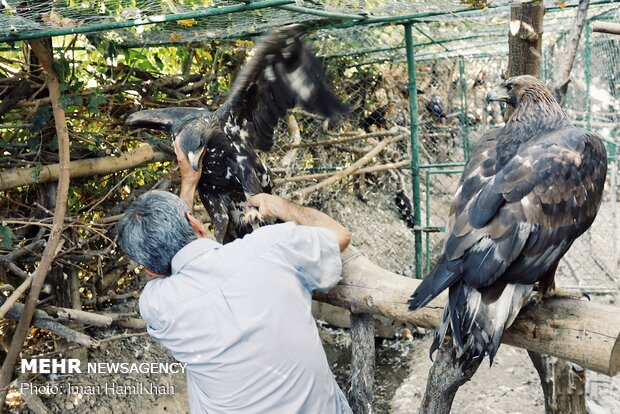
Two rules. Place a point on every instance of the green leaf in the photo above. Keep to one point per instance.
(41, 118)
(158, 61)
(36, 172)
(7, 236)
(33, 144)
(61, 66)
(70, 100)
(93, 103)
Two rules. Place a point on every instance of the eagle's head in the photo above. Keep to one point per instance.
(196, 135)
(521, 89)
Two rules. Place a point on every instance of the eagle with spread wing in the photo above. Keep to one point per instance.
(281, 74)
(527, 192)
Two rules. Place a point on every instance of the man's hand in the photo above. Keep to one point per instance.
(189, 176)
(271, 206)
(267, 204)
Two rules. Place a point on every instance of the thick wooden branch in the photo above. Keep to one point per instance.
(371, 169)
(44, 55)
(559, 89)
(82, 168)
(582, 332)
(605, 27)
(444, 380)
(44, 321)
(347, 171)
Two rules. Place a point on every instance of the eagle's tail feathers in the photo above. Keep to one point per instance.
(439, 279)
(440, 332)
(478, 318)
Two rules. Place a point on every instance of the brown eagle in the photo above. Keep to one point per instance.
(528, 191)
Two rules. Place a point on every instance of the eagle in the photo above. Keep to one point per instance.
(528, 191)
(281, 74)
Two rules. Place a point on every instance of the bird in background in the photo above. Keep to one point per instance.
(281, 74)
(528, 191)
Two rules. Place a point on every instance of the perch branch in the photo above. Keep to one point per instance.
(374, 168)
(605, 27)
(347, 171)
(582, 332)
(82, 168)
(342, 140)
(38, 277)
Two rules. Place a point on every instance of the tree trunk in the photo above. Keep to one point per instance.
(525, 51)
(362, 363)
(561, 84)
(524, 41)
(563, 384)
(444, 380)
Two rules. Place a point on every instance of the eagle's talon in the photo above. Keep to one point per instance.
(567, 294)
(252, 216)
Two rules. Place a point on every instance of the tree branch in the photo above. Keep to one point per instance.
(44, 56)
(559, 89)
(82, 168)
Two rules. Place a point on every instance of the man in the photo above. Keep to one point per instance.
(239, 314)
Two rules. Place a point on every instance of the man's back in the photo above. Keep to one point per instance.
(239, 315)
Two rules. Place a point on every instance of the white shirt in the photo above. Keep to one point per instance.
(239, 315)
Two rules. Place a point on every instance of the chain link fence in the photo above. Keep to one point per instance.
(363, 47)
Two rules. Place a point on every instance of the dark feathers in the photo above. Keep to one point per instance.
(280, 75)
(527, 192)
(403, 205)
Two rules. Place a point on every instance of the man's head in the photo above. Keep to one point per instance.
(155, 227)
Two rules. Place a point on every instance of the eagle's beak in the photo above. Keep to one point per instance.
(194, 158)
(500, 93)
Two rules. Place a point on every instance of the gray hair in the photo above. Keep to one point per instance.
(154, 228)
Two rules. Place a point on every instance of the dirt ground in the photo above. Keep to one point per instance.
(511, 385)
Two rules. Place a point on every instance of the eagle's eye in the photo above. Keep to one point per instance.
(509, 87)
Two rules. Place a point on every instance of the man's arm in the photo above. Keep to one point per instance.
(189, 177)
(273, 206)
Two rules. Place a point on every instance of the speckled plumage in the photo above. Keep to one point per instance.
(527, 192)
(281, 74)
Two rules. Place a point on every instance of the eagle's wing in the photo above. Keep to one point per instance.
(280, 75)
(525, 216)
(512, 221)
(509, 226)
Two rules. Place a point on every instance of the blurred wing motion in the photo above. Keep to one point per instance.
(280, 75)
(528, 191)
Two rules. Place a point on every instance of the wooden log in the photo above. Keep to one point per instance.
(362, 372)
(564, 385)
(605, 27)
(82, 168)
(44, 321)
(582, 332)
(444, 380)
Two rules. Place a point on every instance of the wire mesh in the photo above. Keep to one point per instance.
(459, 56)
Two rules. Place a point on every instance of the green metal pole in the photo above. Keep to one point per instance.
(427, 235)
(415, 154)
(216, 11)
(586, 58)
(464, 120)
